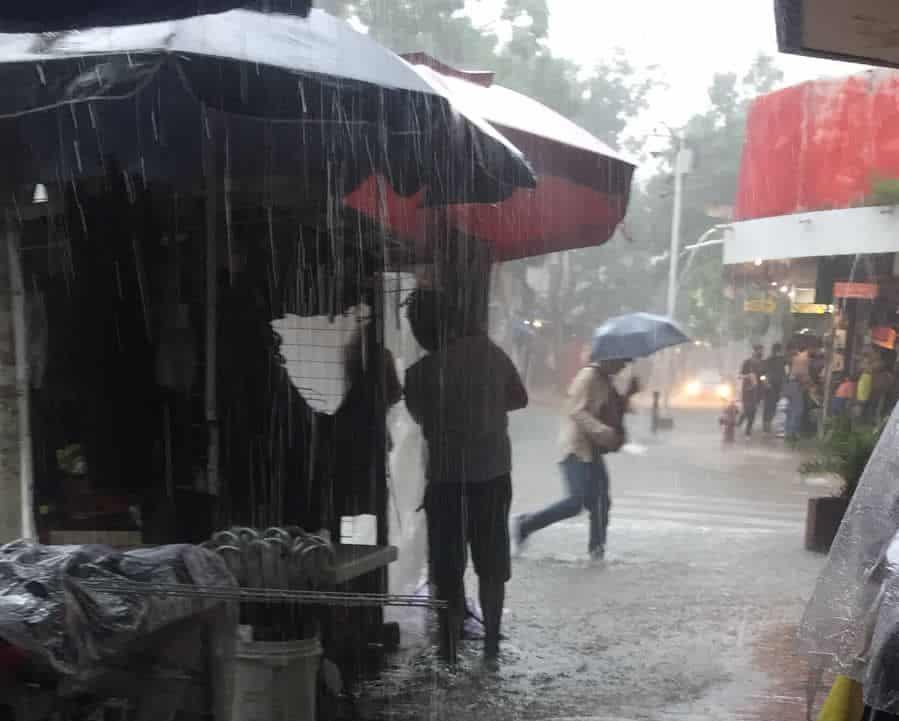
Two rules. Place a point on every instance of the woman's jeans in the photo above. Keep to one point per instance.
(588, 489)
(796, 410)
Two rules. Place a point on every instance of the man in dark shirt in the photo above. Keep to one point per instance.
(461, 393)
(751, 373)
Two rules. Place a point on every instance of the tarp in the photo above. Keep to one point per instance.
(54, 606)
(821, 145)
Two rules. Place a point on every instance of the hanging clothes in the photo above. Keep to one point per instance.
(38, 337)
(176, 355)
(373, 387)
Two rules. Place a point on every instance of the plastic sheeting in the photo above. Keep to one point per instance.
(820, 145)
(851, 623)
(51, 605)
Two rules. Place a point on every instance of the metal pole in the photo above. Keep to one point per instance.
(679, 162)
(828, 379)
(674, 252)
(20, 334)
(212, 461)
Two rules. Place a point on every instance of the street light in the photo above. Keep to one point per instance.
(703, 241)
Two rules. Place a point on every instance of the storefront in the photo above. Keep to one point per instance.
(841, 309)
(154, 234)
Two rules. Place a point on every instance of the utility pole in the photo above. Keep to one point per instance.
(683, 161)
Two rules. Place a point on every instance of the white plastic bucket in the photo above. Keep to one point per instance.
(276, 680)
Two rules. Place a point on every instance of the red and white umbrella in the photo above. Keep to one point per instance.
(582, 184)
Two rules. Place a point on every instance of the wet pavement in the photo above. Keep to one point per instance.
(691, 616)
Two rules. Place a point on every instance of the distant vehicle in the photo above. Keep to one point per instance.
(707, 386)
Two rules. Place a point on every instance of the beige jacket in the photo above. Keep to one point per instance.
(582, 432)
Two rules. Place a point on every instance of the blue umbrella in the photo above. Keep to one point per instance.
(635, 335)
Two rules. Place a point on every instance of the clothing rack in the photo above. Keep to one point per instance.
(270, 595)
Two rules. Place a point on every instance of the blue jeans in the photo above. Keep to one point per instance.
(796, 410)
(588, 489)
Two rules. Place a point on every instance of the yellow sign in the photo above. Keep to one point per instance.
(810, 308)
(760, 305)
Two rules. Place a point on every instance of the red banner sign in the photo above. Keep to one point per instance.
(863, 291)
(820, 145)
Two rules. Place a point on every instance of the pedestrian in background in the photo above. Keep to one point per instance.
(775, 376)
(882, 383)
(460, 393)
(751, 372)
(844, 397)
(796, 389)
(592, 426)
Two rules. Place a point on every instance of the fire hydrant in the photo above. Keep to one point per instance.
(728, 422)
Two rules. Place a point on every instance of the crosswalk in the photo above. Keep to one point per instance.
(660, 525)
(706, 512)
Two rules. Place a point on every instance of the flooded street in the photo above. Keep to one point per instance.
(309, 307)
(690, 617)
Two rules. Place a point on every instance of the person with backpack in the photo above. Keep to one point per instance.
(592, 426)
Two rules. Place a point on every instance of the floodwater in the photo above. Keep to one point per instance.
(692, 615)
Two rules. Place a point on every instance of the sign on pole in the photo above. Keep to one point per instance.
(810, 308)
(760, 305)
(860, 291)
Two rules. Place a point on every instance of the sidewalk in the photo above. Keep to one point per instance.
(692, 616)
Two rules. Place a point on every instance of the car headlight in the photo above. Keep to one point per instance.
(694, 388)
(724, 392)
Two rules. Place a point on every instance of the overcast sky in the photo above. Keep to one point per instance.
(689, 39)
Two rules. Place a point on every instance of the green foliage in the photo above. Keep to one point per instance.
(716, 137)
(884, 191)
(844, 451)
(604, 99)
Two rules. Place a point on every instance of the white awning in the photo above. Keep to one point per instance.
(807, 235)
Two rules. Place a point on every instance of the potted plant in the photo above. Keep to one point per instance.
(844, 452)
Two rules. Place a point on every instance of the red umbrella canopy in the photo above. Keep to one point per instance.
(582, 184)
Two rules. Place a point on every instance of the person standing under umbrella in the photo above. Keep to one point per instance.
(592, 426)
(461, 393)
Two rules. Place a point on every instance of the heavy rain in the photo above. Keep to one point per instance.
(452, 359)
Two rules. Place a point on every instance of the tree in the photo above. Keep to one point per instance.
(716, 136)
(613, 95)
(604, 99)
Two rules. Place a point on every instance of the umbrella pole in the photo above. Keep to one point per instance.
(20, 336)
(212, 461)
